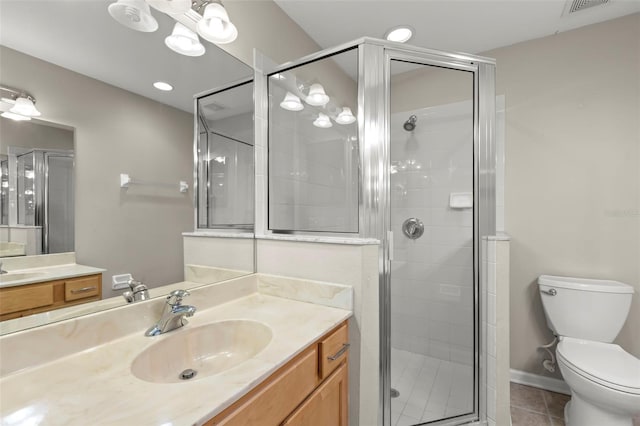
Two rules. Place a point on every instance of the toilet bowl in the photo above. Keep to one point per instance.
(604, 382)
(587, 315)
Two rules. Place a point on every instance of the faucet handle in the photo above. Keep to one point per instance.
(176, 296)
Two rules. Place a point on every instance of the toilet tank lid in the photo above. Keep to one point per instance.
(585, 284)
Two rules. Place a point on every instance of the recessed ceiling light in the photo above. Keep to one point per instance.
(399, 34)
(161, 85)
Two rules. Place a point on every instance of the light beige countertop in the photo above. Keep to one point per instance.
(93, 384)
(46, 273)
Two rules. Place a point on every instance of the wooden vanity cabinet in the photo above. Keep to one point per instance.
(307, 391)
(28, 299)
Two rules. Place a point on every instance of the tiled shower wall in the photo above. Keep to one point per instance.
(432, 277)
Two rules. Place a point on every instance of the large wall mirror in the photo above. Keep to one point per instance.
(92, 79)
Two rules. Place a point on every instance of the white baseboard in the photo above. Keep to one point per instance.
(542, 382)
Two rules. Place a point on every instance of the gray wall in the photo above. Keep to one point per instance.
(30, 134)
(137, 230)
(572, 169)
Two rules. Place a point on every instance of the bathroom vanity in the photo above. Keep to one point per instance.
(285, 361)
(27, 299)
(36, 284)
(309, 390)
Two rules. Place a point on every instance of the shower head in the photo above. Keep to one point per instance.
(410, 124)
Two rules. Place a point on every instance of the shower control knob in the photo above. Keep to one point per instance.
(413, 228)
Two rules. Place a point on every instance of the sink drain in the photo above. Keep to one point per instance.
(188, 374)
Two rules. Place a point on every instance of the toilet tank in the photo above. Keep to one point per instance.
(585, 308)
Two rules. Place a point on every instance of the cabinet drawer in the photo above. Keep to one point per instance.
(272, 402)
(327, 405)
(80, 288)
(26, 297)
(333, 350)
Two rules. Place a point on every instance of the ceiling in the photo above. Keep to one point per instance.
(470, 26)
(81, 36)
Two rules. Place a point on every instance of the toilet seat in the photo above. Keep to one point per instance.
(604, 363)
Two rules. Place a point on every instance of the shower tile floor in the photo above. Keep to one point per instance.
(430, 388)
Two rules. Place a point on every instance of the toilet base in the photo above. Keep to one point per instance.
(579, 412)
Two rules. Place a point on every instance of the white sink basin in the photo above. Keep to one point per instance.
(208, 349)
(19, 276)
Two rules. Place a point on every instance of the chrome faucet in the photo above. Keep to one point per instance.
(2, 271)
(137, 293)
(173, 315)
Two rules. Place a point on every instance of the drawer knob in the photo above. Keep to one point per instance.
(342, 350)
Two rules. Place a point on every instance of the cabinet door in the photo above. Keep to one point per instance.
(327, 405)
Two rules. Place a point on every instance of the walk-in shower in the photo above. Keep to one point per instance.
(414, 172)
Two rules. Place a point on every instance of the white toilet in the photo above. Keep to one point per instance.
(587, 315)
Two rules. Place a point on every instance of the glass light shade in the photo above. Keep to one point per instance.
(215, 25)
(345, 116)
(184, 41)
(291, 102)
(15, 117)
(323, 121)
(317, 96)
(134, 14)
(25, 106)
(172, 7)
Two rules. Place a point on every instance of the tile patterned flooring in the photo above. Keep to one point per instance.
(430, 388)
(536, 407)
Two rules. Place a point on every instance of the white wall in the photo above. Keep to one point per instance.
(353, 265)
(572, 169)
(137, 230)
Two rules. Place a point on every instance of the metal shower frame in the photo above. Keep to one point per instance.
(374, 77)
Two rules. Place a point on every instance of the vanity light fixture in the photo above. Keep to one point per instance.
(215, 25)
(317, 96)
(345, 116)
(161, 85)
(134, 14)
(18, 105)
(184, 41)
(291, 103)
(14, 117)
(399, 34)
(323, 121)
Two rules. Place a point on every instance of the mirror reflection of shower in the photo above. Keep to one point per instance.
(410, 124)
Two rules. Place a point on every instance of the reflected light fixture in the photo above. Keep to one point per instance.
(345, 116)
(171, 7)
(18, 105)
(291, 102)
(161, 85)
(317, 96)
(134, 14)
(323, 121)
(399, 34)
(206, 18)
(215, 25)
(184, 41)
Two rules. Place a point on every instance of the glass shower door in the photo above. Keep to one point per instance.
(433, 309)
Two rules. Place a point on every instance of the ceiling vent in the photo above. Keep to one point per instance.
(578, 5)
